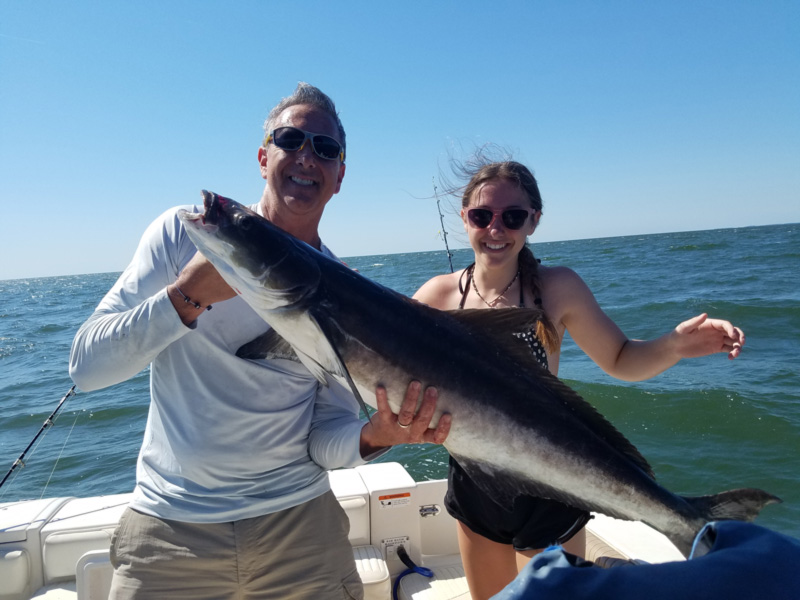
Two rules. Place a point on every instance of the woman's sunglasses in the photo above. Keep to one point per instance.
(293, 139)
(513, 218)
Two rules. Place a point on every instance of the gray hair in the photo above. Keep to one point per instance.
(306, 94)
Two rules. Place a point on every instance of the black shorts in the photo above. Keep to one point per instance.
(528, 524)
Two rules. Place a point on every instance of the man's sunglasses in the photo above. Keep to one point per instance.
(513, 218)
(293, 139)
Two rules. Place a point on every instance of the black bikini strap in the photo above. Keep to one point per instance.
(465, 288)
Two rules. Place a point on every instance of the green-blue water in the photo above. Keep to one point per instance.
(706, 425)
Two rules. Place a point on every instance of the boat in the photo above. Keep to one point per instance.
(58, 548)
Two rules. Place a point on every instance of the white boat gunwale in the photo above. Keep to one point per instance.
(57, 548)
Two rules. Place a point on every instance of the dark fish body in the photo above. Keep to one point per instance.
(516, 428)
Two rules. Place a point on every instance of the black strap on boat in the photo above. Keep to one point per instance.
(412, 568)
(47, 423)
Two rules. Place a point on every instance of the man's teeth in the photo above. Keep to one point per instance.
(300, 181)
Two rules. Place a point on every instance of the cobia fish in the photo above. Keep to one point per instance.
(516, 428)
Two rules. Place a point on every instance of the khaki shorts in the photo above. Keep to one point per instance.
(302, 552)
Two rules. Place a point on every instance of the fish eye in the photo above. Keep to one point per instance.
(245, 221)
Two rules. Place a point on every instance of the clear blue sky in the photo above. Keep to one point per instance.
(636, 117)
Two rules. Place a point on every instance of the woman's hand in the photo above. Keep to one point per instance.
(701, 336)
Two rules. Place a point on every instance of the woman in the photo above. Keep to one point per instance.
(501, 207)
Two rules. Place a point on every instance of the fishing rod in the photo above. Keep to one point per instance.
(441, 220)
(47, 423)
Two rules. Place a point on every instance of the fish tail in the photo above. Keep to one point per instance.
(740, 505)
(734, 505)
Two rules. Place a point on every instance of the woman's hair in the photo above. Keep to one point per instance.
(306, 94)
(508, 170)
(479, 171)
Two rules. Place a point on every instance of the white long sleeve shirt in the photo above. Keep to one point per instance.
(226, 438)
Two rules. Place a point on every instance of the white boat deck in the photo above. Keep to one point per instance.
(57, 548)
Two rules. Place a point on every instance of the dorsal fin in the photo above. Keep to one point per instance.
(501, 326)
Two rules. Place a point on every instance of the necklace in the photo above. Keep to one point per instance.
(493, 302)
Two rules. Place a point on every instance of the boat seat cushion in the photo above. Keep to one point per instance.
(63, 549)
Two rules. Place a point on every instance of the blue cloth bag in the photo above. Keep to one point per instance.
(746, 561)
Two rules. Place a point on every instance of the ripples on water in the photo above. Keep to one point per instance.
(706, 425)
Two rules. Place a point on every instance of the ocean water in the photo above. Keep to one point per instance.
(705, 425)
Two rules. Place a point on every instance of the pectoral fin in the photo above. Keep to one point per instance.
(270, 345)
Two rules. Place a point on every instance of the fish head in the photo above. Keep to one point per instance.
(259, 260)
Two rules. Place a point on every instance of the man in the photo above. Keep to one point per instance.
(232, 498)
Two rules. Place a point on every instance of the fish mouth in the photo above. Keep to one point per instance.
(214, 215)
(207, 221)
(213, 205)
(208, 199)
(196, 220)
